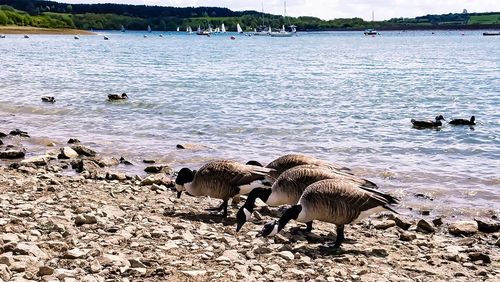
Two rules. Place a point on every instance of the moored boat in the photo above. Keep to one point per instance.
(491, 33)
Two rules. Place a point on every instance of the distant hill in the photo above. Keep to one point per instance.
(138, 17)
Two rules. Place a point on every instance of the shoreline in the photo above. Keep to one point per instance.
(39, 30)
(115, 226)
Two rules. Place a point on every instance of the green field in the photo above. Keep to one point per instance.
(485, 19)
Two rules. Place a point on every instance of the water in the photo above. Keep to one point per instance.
(339, 96)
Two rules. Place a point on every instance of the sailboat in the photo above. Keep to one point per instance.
(177, 29)
(238, 28)
(262, 30)
(223, 28)
(122, 28)
(371, 31)
(149, 28)
(189, 30)
(203, 32)
(283, 32)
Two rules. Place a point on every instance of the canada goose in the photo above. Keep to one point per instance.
(285, 162)
(106, 38)
(334, 201)
(289, 186)
(2, 35)
(26, 36)
(48, 99)
(428, 123)
(222, 179)
(113, 97)
(76, 37)
(460, 121)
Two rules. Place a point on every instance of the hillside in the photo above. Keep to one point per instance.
(50, 14)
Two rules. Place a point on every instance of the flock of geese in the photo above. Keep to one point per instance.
(419, 124)
(315, 189)
(111, 97)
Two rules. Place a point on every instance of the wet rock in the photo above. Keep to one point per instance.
(73, 141)
(84, 150)
(2, 135)
(17, 132)
(488, 226)
(107, 162)
(125, 162)
(120, 176)
(407, 236)
(67, 153)
(82, 219)
(424, 226)
(149, 161)
(402, 223)
(158, 169)
(382, 225)
(437, 221)
(463, 228)
(11, 154)
(476, 256)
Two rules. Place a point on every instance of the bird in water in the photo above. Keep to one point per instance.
(461, 121)
(289, 186)
(48, 99)
(115, 97)
(221, 179)
(428, 123)
(333, 201)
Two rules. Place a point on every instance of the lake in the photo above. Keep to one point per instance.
(339, 96)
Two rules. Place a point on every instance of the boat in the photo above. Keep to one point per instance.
(2, 35)
(491, 33)
(200, 31)
(106, 38)
(177, 29)
(371, 31)
(238, 28)
(26, 36)
(161, 35)
(283, 32)
(122, 29)
(189, 30)
(223, 28)
(149, 28)
(76, 37)
(262, 31)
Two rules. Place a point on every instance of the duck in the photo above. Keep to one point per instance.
(288, 188)
(333, 201)
(221, 179)
(288, 161)
(106, 38)
(113, 97)
(428, 123)
(48, 99)
(461, 121)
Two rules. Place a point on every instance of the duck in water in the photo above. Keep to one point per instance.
(114, 97)
(428, 123)
(461, 121)
(48, 99)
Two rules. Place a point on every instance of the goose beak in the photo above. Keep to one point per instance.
(179, 193)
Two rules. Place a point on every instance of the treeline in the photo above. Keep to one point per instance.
(138, 17)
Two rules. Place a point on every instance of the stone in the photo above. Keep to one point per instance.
(75, 254)
(5, 273)
(11, 154)
(424, 226)
(73, 141)
(194, 273)
(380, 252)
(29, 248)
(488, 226)
(479, 256)
(120, 176)
(9, 237)
(107, 162)
(159, 179)
(407, 236)
(45, 270)
(37, 161)
(125, 162)
(82, 219)
(67, 153)
(158, 169)
(286, 255)
(149, 161)
(17, 132)
(402, 223)
(437, 221)
(382, 225)
(135, 263)
(463, 228)
(232, 255)
(84, 150)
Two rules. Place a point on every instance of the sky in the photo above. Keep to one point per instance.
(331, 9)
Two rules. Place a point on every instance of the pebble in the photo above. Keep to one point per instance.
(463, 228)
(382, 225)
(488, 226)
(286, 255)
(402, 223)
(424, 226)
(407, 236)
(194, 273)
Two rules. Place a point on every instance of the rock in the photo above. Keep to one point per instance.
(232, 255)
(158, 169)
(9, 237)
(2, 135)
(125, 162)
(75, 254)
(463, 228)
(149, 161)
(5, 273)
(84, 150)
(382, 225)
(11, 154)
(17, 132)
(402, 223)
(156, 187)
(1, 142)
(380, 252)
(424, 226)
(497, 243)
(120, 176)
(29, 248)
(112, 212)
(37, 161)
(82, 219)
(407, 236)
(67, 153)
(187, 146)
(159, 179)
(437, 221)
(479, 256)
(286, 255)
(488, 226)
(107, 162)
(194, 273)
(135, 263)
(73, 141)
(7, 260)
(45, 270)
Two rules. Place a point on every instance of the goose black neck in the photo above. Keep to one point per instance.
(289, 214)
(261, 193)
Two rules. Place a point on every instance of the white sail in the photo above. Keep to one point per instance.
(189, 30)
(122, 28)
(283, 28)
(270, 30)
(149, 28)
(199, 29)
(210, 28)
(223, 28)
(238, 28)
(177, 29)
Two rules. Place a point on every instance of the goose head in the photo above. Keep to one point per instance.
(269, 229)
(124, 96)
(440, 117)
(184, 177)
(242, 216)
(472, 119)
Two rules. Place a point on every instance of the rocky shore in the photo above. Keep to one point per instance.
(100, 224)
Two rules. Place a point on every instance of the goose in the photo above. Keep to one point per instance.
(76, 37)
(106, 38)
(221, 179)
(333, 201)
(113, 97)
(285, 162)
(461, 121)
(289, 186)
(428, 123)
(48, 99)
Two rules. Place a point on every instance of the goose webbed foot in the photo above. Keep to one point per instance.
(222, 207)
(340, 237)
(306, 230)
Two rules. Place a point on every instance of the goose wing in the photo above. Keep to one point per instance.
(286, 162)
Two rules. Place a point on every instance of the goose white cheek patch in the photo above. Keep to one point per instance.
(248, 214)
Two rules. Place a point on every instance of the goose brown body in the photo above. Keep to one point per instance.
(286, 162)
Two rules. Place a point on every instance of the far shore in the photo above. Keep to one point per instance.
(39, 30)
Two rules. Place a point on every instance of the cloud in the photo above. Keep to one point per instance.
(330, 9)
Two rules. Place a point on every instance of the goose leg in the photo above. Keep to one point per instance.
(223, 207)
(309, 227)
(340, 236)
